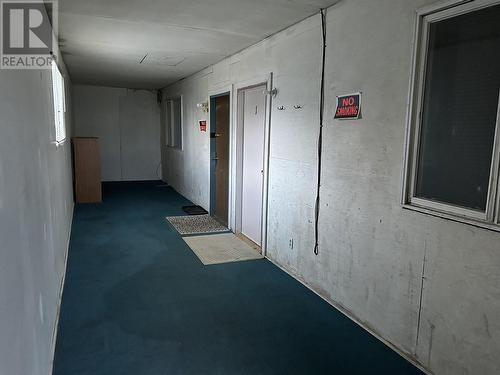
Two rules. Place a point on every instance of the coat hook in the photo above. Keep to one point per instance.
(297, 106)
(281, 108)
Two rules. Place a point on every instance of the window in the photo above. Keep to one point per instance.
(59, 104)
(174, 123)
(453, 155)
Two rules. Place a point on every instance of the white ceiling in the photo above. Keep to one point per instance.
(103, 42)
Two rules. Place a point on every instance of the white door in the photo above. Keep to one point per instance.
(254, 109)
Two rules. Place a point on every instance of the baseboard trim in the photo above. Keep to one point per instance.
(354, 319)
(61, 289)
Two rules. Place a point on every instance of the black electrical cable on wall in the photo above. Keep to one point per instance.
(320, 137)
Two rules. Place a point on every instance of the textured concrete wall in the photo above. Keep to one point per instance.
(372, 251)
(127, 123)
(188, 169)
(36, 207)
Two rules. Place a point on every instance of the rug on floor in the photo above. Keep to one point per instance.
(196, 224)
(194, 210)
(222, 248)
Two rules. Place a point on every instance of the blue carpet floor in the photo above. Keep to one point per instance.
(137, 301)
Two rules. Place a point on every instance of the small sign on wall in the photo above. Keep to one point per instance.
(348, 106)
(203, 126)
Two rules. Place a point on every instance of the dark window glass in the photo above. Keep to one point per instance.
(459, 110)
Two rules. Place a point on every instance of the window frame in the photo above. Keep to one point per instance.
(57, 80)
(490, 218)
(169, 123)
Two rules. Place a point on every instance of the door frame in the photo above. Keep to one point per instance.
(213, 93)
(211, 128)
(236, 151)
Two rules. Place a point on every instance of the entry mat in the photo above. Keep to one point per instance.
(222, 248)
(194, 210)
(196, 224)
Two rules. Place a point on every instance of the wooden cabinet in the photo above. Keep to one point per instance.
(87, 170)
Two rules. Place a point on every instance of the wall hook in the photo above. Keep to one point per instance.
(281, 108)
(297, 106)
(203, 106)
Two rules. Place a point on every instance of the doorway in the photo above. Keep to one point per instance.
(252, 123)
(219, 156)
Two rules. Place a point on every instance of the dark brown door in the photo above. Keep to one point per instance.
(222, 158)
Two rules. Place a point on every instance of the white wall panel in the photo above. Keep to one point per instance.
(127, 123)
(36, 209)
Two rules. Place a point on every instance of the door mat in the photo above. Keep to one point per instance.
(222, 248)
(194, 210)
(196, 224)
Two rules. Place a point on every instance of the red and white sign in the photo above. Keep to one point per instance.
(348, 106)
(203, 126)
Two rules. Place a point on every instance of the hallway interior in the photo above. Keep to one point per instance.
(342, 163)
(138, 301)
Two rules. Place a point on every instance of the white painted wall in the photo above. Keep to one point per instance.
(36, 207)
(127, 123)
(188, 170)
(371, 250)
